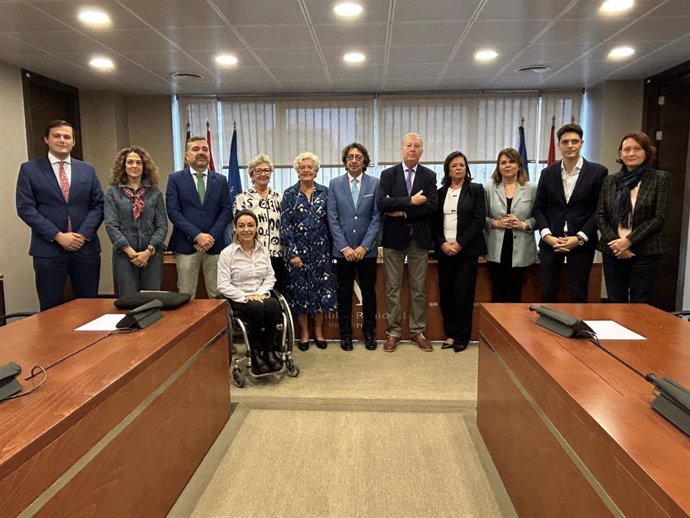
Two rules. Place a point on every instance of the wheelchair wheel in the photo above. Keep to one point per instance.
(292, 369)
(238, 378)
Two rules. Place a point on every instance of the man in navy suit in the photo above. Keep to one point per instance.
(407, 198)
(198, 203)
(60, 198)
(565, 208)
(354, 222)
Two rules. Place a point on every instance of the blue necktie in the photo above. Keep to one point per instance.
(355, 191)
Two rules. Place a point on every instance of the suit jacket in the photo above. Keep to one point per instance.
(190, 217)
(648, 217)
(552, 211)
(40, 205)
(471, 211)
(352, 225)
(524, 245)
(392, 196)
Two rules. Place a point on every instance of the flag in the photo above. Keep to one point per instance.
(188, 135)
(523, 148)
(234, 180)
(211, 165)
(552, 144)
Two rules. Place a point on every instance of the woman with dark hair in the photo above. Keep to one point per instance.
(135, 221)
(245, 278)
(509, 228)
(457, 228)
(630, 215)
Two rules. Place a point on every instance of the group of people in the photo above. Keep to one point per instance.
(290, 241)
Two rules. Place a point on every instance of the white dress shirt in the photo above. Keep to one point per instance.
(241, 274)
(67, 166)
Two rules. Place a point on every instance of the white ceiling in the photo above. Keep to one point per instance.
(288, 46)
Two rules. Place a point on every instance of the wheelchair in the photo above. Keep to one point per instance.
(285, 338)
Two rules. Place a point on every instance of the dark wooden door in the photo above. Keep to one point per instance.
(45, 100)
(667, 119)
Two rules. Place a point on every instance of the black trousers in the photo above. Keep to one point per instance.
(457, 278)
(506, 282)
(51, 275)
(631, 280)
(261, 319)
(346, 272)
(280, 272)
(579, 268)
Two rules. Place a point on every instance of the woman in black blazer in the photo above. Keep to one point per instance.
(630, 215)
(457, 228)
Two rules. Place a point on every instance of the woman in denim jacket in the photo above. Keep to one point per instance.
(135, 221)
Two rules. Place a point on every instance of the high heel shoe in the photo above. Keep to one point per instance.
(303, 346)
(447, 345)
(321, 344)
(459, 347)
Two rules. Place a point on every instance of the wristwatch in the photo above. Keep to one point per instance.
(151, 249)
(580, 241)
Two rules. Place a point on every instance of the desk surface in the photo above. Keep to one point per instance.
(612, 402)
(78, 384)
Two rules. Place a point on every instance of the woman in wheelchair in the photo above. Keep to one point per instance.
(245, 278)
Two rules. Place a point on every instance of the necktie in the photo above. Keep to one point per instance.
(64, 187)
(200, 187)
(355, 191)
(408, 181)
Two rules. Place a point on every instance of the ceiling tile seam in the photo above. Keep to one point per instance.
(461, 40)
(244, 42)
(387, 44)
(536, 38)
(650, 53)
(60, 58)
(602, 43)
(97, 42)
(169, 42)
(317, 45)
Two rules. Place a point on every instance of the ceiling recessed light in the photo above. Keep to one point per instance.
(354, 57)
(616, 6)
(486, 55)
(621, 52)
(348, 9)
(94, 17)
(102, 63)
(226, 59)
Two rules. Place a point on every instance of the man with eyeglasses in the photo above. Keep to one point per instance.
(407, 198)
(354, 222)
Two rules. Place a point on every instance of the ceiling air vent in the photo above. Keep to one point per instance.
(185, 76)
(533, 69)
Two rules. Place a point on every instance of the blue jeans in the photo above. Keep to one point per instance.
(631, 280)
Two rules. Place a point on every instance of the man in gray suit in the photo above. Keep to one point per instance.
(354, 222)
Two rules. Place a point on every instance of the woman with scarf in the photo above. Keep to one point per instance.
(135, 221)
(631, 217)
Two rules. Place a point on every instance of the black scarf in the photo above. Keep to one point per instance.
(622, 206)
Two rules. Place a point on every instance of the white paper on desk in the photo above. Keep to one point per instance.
(103, 323)
(610, 330)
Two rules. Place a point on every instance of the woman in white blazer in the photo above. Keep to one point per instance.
(509, 227)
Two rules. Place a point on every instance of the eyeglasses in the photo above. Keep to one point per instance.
(262, 171)
(354, 158)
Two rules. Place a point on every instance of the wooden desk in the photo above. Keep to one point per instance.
(570, 429)
(119, 428)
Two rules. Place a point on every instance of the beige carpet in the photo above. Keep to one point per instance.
(359, 434)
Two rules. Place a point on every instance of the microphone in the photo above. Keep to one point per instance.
(561, 323)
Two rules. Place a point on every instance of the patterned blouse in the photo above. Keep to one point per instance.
(267, 212)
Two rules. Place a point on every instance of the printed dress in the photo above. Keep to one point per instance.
(304, 234)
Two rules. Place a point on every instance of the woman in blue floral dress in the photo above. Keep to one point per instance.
(307, 249)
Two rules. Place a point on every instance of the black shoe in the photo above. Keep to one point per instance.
(459, 346)
(272, 362)
(370, 342)
(303, 346)
(346, 343)
(321, 344)
(447, 345)
(259, 367)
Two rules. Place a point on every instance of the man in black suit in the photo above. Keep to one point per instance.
(407, 198)
(565, 209)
